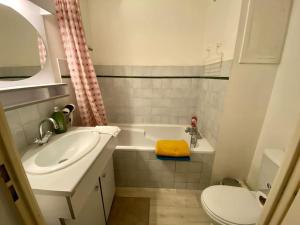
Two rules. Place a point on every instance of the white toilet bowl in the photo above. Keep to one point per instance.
(229, 205)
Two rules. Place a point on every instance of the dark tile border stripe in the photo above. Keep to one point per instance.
(161, 77)
(143, 77)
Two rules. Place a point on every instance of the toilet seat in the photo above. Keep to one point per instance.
(231, 205)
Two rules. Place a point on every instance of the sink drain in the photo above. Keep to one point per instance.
(62, 160)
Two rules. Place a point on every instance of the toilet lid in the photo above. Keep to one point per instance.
(235, 205)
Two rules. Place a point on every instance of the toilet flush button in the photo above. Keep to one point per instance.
(261, 198)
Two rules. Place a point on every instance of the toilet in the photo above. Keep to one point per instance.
(228, 205)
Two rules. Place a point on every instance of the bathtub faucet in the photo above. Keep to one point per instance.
(195, 135)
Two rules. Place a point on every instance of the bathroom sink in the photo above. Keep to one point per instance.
(60, 153)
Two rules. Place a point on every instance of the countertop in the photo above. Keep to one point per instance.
(64, 181)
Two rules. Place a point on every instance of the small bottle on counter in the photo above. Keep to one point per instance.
(59, 117)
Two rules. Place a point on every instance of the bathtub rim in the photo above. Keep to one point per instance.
(147, 148)
(147, 124)
(204, 148)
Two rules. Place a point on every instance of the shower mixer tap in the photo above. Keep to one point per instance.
(195, 135)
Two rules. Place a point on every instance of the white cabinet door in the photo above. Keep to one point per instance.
(265, 31)
(8, 212)
(107, 180)
(92, 212)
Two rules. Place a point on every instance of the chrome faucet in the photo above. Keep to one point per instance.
(44, 138)
(195, 135)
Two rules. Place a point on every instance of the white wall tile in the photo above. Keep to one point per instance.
(45, 109)
(24, 122)
(145, 170)
(181, 83)
(14, 120)
(143, 93)
(157, 83)
(210, 107)
(28, 114)
(170, 101)
(20, 140)
(31, 130)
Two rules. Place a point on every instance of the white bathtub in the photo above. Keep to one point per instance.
(144, 136)
(136, 164)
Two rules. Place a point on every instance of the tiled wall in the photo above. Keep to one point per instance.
(164, 94)
(135, 168)
(165, 100)
(211, 95)
(24, 121)
(218, 69)
(143, 100)
(214, 69)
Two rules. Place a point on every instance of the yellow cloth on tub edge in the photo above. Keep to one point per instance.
(172, 148)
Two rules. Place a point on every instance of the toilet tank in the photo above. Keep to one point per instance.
(271, 162)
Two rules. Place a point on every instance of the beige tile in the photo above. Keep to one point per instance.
(156, 83)
(188, 167)
(177, 215)
(161, 165)
(13, 120)
(31, 130)
(171, 206)
(61, 102)
(187, 177)
(45, 109)
(20, 141)
(28, 114)
(175, 200)
(179, 185)
(143, 155)
(193, 185)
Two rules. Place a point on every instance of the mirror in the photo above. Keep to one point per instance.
(22, 51)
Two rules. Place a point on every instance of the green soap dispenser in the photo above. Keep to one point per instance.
(59, 117)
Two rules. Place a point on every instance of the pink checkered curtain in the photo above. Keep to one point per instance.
(83, 76)
(42, 51)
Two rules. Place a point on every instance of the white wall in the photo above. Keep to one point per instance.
(284, 108)
(84, 9)
(158, 32)
(55, 46)
(221, 26)
(246, 101)
(142, 32)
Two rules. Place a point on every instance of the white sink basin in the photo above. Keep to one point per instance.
(60, 153)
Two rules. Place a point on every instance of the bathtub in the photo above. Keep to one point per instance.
(144, 136)
(136, 164)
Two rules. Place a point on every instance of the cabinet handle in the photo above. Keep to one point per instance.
(96, 187)
(13, 193)
(104, 175)
(4, 174)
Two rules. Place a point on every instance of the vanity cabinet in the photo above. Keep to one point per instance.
(107, 181)
(97, 208)
(92, 212)
(90, 201)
